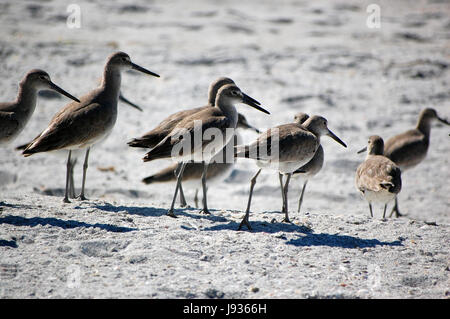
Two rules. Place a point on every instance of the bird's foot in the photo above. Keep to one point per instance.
(205, 211)
(286, 220)
(66, 200)
(82, 197)
(246, 223)
(170, 213)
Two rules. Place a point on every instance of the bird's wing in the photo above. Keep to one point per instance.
(8, 124)
(378, 173)
(156, 135)
(72, 126)
(184, 134)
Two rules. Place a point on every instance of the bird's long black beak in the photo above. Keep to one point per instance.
(253, 103)
(440, 119)
(126, 101)
(141, 69)
(337, 139)
(362, 150)
(56, 88)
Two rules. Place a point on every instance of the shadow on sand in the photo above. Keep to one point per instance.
(158, 212)
(8, 243)
(65, 224)
(306, 236)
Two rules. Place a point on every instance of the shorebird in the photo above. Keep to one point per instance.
(199, 136)
(74, 157)
(284, 148)
(311, 168)
(81, 125)
(377, 178)
(410, 148)
(156, 135)
(15, 115)
(218, 168)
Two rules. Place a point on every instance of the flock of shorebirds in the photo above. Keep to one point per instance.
(289, 149)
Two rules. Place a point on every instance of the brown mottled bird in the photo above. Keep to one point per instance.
(16, 114)
(81, 125)
(284, 148)
(182, 146)
(377, 178)
(410, 148)
(217, 170)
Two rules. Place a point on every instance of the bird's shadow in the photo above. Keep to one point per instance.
(306, 236)
(336, 240)
(157, 212)
(8, 243)
(65, 224)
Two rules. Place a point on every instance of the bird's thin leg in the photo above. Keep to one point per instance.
(85, 167)
(180, 169)
(205, 190)
(300, 200)
(395, 209)
(196, 198)
(286, 188)
(183, 202)
(384, 212)
(280, 177)
(370, 208)
(72, 183)
(182, 198)
(247, 211)
(66, 196)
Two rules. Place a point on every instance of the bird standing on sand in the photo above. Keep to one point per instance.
(310, 169)
(15, 115)
(81, 125)
(410, 148)
(213, 125)
(74, 155)
(285, 148)
(217, 169)
(156, 135)
(377, 178)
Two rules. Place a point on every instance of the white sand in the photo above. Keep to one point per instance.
(316, 57)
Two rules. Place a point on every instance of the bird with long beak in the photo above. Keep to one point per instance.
(310, 169)
(218, 169)
(15, 115)
(76, 154)
(377, 178)
(284, 148)
(213, 125)
(82, 125)
(410, 148)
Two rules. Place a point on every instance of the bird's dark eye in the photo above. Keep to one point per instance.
(42, 77)
(124, 59)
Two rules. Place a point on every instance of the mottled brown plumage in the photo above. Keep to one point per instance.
(156, 135)
(81, 125)
(15, 115)
(285, 148)
(378, 178)
(410, 148)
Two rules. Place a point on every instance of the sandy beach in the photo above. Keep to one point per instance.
(318, 57)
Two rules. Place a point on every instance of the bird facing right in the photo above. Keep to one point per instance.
(377, 178)
(410, 148)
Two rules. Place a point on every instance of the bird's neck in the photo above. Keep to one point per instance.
(26, 98)
(424, 126)
(111, 81)
(227, 107)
